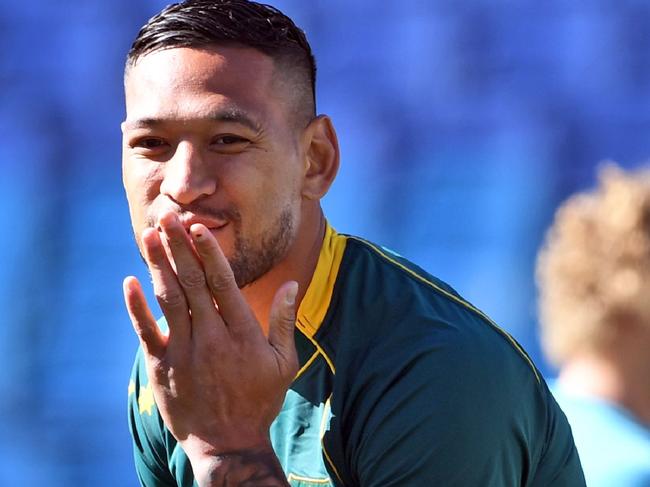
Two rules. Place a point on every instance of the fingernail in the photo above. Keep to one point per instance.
(197, 232)
(168, 217)
(290, 297)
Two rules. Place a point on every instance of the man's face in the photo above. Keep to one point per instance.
(208, 136)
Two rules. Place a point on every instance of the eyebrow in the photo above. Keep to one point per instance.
(225, 115)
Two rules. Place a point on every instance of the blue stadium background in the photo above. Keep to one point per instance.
(462, 123)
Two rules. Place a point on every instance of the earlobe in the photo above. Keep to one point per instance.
(321, 157)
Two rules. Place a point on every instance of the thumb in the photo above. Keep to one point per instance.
(282, 322)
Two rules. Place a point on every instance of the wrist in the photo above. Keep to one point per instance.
(201, 449)
(252, 466)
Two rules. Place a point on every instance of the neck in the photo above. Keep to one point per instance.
(612, 380)
(298, 265)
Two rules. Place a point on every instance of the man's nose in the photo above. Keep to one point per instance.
(187, 176)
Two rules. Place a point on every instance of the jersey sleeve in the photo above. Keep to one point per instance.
(560, 464)
(446, 411)
(147, 431)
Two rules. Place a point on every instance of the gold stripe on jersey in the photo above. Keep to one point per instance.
(457, 299)
(317, 299)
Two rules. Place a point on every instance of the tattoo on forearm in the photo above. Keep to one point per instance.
(245, 468)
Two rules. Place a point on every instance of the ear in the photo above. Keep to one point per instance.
(322, 157)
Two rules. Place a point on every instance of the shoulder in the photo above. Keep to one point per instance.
(385, 301)
(419, 365)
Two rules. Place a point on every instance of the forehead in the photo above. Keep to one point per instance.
(185, 82)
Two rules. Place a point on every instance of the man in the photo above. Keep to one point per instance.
(594, 283)
(290, 354)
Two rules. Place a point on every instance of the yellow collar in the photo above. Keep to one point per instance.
(317, 299)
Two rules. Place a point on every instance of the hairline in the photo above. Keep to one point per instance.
(280, 79)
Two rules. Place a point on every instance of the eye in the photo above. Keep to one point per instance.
(149, 143)
(229, 139)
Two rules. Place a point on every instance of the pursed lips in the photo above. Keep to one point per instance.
(187, 220)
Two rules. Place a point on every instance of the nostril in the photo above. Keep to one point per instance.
(188, 186)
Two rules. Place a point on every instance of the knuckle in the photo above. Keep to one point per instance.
(171, 298)
(192, 279)
(286, 319)
(289, 317)
(175, 240)
(221, 282)
(144, 333)
(156, 366)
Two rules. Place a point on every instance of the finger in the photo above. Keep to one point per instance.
(144, 324)
(233, 308)
(282, 322)
(189, 270)
(168, 291)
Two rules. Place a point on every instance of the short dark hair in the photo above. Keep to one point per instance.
(201, 23)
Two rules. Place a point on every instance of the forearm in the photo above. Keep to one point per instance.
(257, 467)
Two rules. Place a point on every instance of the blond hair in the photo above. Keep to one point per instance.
(594, 267)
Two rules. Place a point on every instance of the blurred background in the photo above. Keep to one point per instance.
(463, 124)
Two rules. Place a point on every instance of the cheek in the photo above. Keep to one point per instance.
(281, 190)
(142, 185)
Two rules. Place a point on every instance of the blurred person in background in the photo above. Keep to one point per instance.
(593, 275)
(290, 354)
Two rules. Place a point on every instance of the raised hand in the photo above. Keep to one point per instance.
(218, 381)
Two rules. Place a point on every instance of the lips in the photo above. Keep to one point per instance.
(187, 220)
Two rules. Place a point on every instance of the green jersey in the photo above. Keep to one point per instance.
(402, 383)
